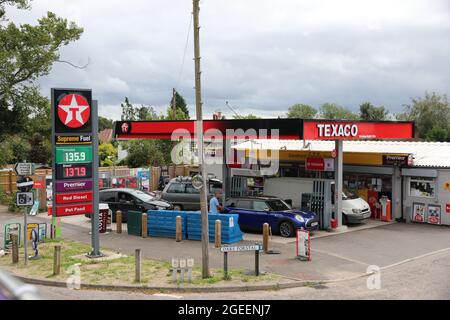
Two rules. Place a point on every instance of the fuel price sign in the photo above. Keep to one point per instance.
(75, 154)
(73, 171)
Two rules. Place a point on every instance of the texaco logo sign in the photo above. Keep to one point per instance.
(125, 127)
(74, 111)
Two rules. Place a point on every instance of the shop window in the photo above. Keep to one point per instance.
(422, 187)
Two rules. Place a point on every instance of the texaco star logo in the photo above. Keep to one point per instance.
(73, 110)
(125, 127)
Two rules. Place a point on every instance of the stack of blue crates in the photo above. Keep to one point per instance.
(231, 232)
(162, 223)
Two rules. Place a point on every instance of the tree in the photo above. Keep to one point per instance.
(334, 111)
(104, 123)
(129, 113)
(181, 107)
(143, 153)
(107, 154)
(438, 133)
(40, 152)
(146, 113)
(28, 52)
(6, 155)
(431, 111)
(369, 112)
(302, 111)
(20, 149)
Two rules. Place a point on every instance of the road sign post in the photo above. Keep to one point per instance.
(225, 249)
(75, 158)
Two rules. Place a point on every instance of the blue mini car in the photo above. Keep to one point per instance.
(255, 211)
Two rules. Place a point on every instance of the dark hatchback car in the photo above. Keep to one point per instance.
(255, 211)
(125, 199)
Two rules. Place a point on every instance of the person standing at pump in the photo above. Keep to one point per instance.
(214, 204)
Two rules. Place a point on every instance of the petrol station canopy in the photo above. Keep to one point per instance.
(294, 129)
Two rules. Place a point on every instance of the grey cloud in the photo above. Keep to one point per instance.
(260, 56)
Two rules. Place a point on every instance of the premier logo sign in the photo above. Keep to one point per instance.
(337, 130)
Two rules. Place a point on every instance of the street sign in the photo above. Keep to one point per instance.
(24, 199)
(24, 184)
(75, 154)
(35, 208)
(24, 169)
(75, 157)
(303, 245)
(256, 247)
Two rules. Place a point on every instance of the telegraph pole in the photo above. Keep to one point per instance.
(199, 127)
(174, 103)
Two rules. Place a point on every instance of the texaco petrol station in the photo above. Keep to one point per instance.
(375, 159)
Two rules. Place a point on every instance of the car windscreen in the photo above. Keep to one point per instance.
(278, 205)
(349, 195)
(145, 197)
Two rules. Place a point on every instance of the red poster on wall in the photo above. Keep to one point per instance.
(447, 208)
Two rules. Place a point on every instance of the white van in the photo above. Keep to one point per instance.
(354, 208)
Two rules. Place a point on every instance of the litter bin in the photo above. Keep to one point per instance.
(134, 223)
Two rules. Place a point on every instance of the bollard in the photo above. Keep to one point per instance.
(218, 235)
(178, 234)
(119, 221)
(266, 237)
(144, 225)
(57, 260)
(137, 260)
(15, 248)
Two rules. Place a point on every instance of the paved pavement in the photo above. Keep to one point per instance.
(341, 256)
(424, 278)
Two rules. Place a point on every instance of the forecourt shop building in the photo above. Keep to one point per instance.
(369, 157)
(415, 176)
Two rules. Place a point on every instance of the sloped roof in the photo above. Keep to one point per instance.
(105, 136)
(425, 154)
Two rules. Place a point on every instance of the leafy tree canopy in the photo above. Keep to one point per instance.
(428, 112)
(104, 123)
(107, 154)
(302, 111)
(334, 111)
(182, 109)
(369, 112)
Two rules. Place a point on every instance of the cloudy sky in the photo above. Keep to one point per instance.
(262, 56)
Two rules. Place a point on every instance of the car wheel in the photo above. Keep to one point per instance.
(286, 229)
(344, 219)
(177, 207)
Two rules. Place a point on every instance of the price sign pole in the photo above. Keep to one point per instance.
(95, 220)
(75, 158)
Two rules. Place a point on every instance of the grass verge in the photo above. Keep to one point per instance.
(118, 271)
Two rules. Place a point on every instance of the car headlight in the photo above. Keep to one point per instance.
(356, 210)
(299, 218)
